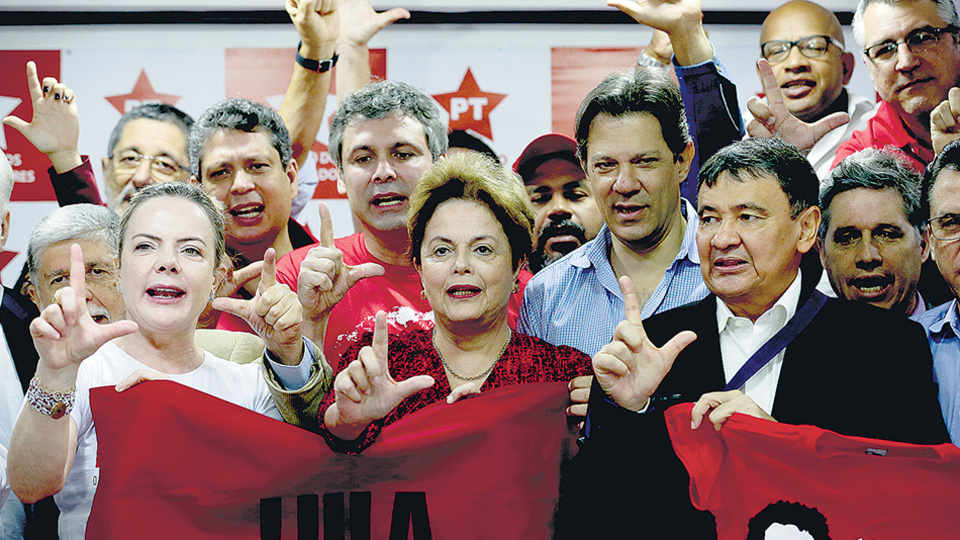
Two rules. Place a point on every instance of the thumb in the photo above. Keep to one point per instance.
(363, 271)
(828, 124)
(234, 306)
(678, 343)
(117, 329)
(16, 123)
(411, 386)
(389, 17)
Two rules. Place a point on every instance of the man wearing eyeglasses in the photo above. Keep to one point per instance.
(803, 42)
(911, 49)
(940, 202)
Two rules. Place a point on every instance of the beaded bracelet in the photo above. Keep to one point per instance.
(49, 403)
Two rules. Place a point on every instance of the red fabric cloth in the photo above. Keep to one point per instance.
(178, 463)
(526, 360)
(865, 488)
(396, 293)
(76, 185)
(886, 130)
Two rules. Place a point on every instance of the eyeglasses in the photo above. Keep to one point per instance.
(946, 228)
(164, 167)
(918, 41)
(811, 46)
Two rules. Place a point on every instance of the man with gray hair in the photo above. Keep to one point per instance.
(48, 258)
(871, 236)
(912, 51)
(383, 137)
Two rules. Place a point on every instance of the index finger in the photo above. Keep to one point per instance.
(326, 226)
(33, 83)
(379, 345)
(771, 88)
(78, 272)
(631, 306)
(268, 274)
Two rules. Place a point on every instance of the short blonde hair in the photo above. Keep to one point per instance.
(474, 177)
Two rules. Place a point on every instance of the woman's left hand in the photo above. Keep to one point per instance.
(274, 313)
(138, 377)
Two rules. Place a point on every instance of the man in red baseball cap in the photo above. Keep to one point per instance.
(567, 215)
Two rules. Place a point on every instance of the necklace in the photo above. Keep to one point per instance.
(475, 377)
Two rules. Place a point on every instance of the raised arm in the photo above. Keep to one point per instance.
(630, 368)
(358, 24)
(682, 20)
(318, 25)
(44, 439)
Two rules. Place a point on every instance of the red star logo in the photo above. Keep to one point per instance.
(6, 257)
(142, 92)
(470, 107)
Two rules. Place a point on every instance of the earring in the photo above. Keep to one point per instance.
(423, 294)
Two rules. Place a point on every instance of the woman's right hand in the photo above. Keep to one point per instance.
(65, 334)
(365, 391)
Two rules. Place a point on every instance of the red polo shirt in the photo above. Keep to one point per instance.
(885, 130)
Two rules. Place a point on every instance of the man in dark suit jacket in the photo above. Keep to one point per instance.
(853, 369)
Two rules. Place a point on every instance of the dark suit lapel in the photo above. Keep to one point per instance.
(15, 320)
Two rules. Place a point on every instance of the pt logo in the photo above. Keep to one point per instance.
(342, 514)
(469, 107)
(142, 92)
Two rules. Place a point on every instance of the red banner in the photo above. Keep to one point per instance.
(177, 463)
(763, 473)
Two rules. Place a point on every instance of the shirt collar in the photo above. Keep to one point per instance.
(949, 319)
(596, 252)
(786, 304)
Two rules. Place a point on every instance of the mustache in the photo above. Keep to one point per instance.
(560, 228)
(99, 311)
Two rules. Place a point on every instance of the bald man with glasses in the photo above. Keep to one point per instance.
(912, 52)
(804, 44)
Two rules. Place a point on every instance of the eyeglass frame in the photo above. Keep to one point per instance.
(796, 43)
(937, 33)
(152, 159)
(931, 227)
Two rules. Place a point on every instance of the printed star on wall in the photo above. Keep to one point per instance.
(469, 107)
(142, 92)
(7, 105)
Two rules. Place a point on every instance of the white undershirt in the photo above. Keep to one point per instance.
(740, 338)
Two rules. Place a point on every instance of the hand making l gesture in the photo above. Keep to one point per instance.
(365, 391)
(772, 119)
(55, 126)
(630, 367)
(65, 334)
(274, 313)
(324, 279)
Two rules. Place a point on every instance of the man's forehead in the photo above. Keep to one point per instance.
(230, 144)
(387, 132)
(945, 192)
(744, 186)
(884, 21)
(798, 19)
(154, 137)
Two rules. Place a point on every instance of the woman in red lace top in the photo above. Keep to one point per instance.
(470, 224)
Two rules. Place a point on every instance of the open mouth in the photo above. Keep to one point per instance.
(871, 285)
(463, 291)
(798, 88)
(628, 210)
(247, 212)
(165, 293)
(727, 264)
(388, 201)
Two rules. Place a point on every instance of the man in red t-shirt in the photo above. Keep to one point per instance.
(382, 138)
